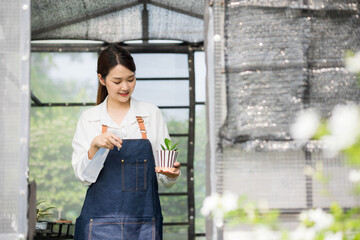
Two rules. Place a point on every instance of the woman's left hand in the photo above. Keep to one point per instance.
(173, 174)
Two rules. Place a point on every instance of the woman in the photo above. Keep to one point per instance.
(122, 201)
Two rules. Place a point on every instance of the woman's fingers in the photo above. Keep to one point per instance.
(114, 143)
(109, 144)
(115, 140)
(177, 165)
(172, 174)
(108, 140)
(177, 168)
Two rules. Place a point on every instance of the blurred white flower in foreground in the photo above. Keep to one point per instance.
(352, 64)
(303, 233)
(321, 219)
(264, 233)
(218, 206)
(344, 128)
(209, 204)
(305, 125)
(354, 176)
(229, 201)
(249, 209)
(334, 236)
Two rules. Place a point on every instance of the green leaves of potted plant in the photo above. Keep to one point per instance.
(169, 145)
(166, 157)
(41, 214)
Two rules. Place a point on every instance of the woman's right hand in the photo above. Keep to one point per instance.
(105, 140)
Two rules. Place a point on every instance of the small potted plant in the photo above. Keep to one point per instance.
(41, 214)
(166, 157)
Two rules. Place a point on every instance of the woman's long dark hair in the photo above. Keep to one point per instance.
(109, 58)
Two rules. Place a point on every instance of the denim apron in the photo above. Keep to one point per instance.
(123, 203)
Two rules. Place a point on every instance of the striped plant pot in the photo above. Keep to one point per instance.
(165, 160)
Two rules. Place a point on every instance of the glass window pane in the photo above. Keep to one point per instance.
(161, 65)
(175, 232)
(64, 77)
(200, 73)
(200, 166)
(177, 120)
(179, 186)
(163, 93)
(183, 151)
(174, 208)
(51, 133)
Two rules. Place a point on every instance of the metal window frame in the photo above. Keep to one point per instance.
(145, 47)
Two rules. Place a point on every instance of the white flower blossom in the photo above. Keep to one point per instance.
(303, 233)
(264, 233)
(309, 171)
(352, 64)
(218, 206)
(334, 236)
(354, 176)
(249, 209)
(344, 128)
(218, 216)
(332, 148)
(321, 219)
(210, 203)
(229, 201)
(344, 123)
(305, 126)
(303, 216)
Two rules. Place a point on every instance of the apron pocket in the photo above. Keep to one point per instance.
(122, 229)
(134, 175)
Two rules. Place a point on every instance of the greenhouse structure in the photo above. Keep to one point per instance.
(230, 78)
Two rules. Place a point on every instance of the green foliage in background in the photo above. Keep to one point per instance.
(51, 133)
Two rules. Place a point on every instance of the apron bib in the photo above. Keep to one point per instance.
(123, 203)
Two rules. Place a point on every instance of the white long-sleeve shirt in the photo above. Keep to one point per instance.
(90, 125)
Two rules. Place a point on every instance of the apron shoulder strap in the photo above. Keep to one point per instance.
(142, 127)
(104, 128)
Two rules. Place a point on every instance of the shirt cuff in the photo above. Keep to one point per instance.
(166, 181)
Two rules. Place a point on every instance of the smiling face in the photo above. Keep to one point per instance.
(120, 84)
